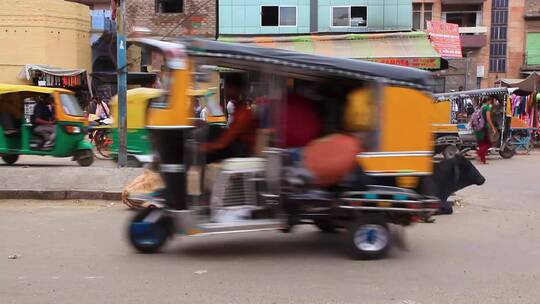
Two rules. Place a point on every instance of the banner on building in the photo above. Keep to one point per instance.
(428, 63)
(445, 38)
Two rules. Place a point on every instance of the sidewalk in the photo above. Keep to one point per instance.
(35, 177)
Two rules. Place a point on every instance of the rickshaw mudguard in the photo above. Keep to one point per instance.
(84, 145)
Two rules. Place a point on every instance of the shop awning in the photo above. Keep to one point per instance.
(28, 70)
(525, 86)
(411, 49)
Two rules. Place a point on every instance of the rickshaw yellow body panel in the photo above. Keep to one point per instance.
(397, 164)
(405, 134)
(217, 119)
(179, 109)
(442, 115)
(442, 112)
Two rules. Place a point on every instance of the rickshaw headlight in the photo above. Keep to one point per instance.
(73, 129)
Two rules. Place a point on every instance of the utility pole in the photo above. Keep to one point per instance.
(121, 62)
(467, 64)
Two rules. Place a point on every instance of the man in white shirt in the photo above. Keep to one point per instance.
(230, 112)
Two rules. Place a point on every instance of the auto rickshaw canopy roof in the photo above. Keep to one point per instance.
(471, 93)
(137, 102)
(247, 55)
(15, 88)
(251, 57)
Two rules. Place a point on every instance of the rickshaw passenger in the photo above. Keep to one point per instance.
(300, 121)
(238, 139)
(7, 123)
(44, 119)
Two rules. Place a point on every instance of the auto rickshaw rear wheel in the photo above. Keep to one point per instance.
(370, 237)
(10, 159)
(151, 235)
(84, 158)
(507, 151)
(450, 151)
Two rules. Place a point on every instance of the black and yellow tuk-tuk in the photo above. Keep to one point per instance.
(456, 135)
(386, 109)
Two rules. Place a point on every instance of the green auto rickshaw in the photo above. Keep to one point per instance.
(17, 124)
(138, 145)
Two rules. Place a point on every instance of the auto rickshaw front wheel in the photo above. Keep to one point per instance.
(84, 157)
(10, 159)
(149, 230)
(370, 237)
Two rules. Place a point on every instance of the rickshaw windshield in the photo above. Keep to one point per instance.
(70, 105)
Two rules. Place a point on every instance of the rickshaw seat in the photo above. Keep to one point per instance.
(246, 164)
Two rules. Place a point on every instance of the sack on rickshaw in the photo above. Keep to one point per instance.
(143, 185)
(331, 158)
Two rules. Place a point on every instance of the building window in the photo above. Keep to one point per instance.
(349, 16)
(464, 15)
(499, 31)
(278, 15)
(169, 6)
(422, 13)
(532, 49)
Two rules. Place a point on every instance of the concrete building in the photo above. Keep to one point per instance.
(254, 17)
(95, 4)
(375, 30)
(51, 32)
(493, 39)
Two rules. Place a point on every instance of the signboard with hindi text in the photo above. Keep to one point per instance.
(429, 63)
(445, 38)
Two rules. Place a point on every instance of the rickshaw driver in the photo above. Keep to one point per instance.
(238, 139)
(44, 119)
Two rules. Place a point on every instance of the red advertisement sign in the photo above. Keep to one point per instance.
(445, 38)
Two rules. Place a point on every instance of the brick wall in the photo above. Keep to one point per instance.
(142, 13)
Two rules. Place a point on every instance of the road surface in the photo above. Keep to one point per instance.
(76, 252)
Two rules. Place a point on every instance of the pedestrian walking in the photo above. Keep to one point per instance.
(483, 127)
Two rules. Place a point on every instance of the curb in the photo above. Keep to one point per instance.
(61, 194)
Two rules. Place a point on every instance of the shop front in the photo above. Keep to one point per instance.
(411, 49)
(75, 80)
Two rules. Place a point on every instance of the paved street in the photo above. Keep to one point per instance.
(37, 173)
(75, 252)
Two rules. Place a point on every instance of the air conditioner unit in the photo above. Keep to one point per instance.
(355, 22)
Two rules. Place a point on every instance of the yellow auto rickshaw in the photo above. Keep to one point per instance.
(18, 125)
(386, 110)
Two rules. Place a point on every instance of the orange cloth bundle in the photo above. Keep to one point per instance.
(331, 158)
